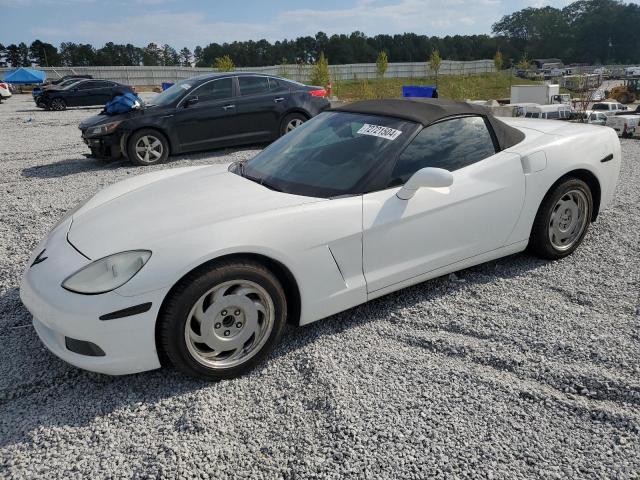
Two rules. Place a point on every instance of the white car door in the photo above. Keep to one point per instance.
(403, 239)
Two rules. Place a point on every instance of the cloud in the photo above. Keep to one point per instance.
(178, 29)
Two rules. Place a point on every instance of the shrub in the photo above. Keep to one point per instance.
(382, 63)
(320, 72)
(224, 64)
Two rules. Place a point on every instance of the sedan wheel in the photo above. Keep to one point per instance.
(291, 122)
(562, 220)
(229, 324)
(222, 319)
(147, 147)
(58, 104)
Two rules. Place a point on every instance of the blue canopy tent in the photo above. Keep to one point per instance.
(23, 76)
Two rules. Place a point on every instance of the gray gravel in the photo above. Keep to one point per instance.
(518, 368)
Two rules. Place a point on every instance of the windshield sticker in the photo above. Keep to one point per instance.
(186, 86)
(379, 131)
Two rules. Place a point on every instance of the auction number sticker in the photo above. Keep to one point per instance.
(379, 131)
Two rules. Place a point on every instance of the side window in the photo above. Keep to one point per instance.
(86, 85)
(553, 115)
(214, 90)
(451, 144)
(253, 85)
(274, 84)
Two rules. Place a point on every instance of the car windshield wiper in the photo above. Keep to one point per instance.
(241, 171)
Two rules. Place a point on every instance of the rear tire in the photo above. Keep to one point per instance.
(562, 220)
(291, 122)
(220, 322)
(147, 147)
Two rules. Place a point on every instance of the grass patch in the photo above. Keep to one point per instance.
(455, 87)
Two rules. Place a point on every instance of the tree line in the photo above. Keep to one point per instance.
(586, 31)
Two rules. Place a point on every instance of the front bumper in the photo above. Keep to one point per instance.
(58, 315)
(107, 146)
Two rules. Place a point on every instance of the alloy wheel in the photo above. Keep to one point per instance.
(568, 220)
(293, 124)
(149, 149)
(229, 324)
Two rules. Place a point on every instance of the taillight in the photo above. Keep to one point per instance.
(318, 93)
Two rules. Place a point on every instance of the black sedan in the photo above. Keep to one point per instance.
(205, 112)
(83, 93)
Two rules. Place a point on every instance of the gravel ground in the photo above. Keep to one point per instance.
(517, 368)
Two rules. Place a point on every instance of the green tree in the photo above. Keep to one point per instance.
(44, 54)
(435, 62)
(224, 64)
(170, 57)
(13, 55)
(523, 63)
(320, 72)
(382, 62)
(23, 51)
(152, 55)
(185, 57)
(498, 61)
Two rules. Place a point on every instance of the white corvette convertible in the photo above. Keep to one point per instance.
(202, 267)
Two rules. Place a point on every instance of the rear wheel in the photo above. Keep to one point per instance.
(562, 220)
(58, 104)
(147, 147)
(222, 321)
(291, 122)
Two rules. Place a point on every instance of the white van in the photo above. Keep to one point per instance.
(550, 112)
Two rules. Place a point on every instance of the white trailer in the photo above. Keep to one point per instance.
(540, 94)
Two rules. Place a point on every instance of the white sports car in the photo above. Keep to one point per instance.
(202, 267)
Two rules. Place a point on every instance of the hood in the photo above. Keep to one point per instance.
(103, 118)
(146, 209)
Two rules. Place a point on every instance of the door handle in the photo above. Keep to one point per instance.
(278, 100)
(227, 107)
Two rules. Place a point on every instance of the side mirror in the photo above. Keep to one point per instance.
(428, 178)
(190, 101)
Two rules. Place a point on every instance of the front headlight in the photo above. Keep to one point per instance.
(108, 273)
(105, 129)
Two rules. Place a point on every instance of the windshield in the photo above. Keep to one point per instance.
(333, 154)
(173, 93)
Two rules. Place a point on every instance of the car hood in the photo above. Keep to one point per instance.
(102, 118)
(146, 209)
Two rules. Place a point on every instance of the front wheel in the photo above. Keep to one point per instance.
(220, 322)
(58, 104)
(562, 220)
(291, 122)
(147, 147)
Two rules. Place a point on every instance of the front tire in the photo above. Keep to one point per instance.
(221, 321)
(58, 104)
(562, 220)
(147, 147)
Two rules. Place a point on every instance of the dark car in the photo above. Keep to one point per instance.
(59, 84)
(67, 77)
(204, 112)
(83, 93)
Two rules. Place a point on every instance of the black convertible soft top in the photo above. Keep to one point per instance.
(430, 110)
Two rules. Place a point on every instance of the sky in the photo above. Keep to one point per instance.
(189, 23)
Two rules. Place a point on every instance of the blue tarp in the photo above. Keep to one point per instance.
(423, 91)
(24, 76)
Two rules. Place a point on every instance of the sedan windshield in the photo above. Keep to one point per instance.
(335, 153)
(173, 93)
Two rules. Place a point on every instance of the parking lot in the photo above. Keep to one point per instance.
(518, 368)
